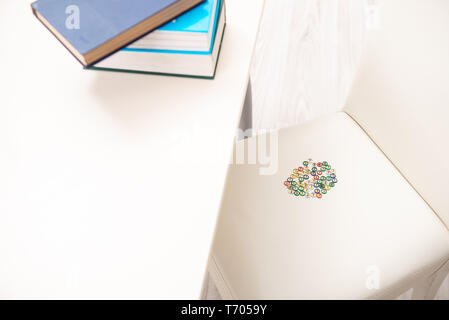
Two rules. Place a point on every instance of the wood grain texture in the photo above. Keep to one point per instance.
(306, 56)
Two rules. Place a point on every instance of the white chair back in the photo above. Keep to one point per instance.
(400, 96)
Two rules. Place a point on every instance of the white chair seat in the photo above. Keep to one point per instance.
(271, 244)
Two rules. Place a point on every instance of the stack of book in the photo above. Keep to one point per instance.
(174, 37)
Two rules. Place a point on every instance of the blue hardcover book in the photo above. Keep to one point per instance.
(93, 29)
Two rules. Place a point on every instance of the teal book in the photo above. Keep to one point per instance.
(192, 31)
(197, 19)
(187, 46)
(93, 29)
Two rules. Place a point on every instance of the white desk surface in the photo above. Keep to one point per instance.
(110, 183)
